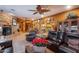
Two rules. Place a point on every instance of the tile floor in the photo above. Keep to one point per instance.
(19, 43)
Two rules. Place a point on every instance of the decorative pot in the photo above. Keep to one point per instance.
(37, 49)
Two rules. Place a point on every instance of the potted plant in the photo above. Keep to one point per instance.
(39, 45)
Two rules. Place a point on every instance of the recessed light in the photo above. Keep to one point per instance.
(32, 19)
(42, 15)
(68, 7)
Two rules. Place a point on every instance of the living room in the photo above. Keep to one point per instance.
(39, 28)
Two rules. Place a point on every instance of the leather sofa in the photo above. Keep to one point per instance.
(7, 47)
(30, 36)
(61, 44)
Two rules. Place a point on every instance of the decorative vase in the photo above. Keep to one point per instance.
(37, 49)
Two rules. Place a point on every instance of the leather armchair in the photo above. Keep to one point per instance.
(30, 36)
(7, 47)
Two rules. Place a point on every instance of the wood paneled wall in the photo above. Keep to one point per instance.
(5, 18)
(27, 24)
(24, 24)
(62, 16)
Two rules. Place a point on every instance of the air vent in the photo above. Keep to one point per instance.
(12, 10)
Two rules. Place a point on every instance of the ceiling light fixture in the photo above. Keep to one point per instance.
(42, 15)
(68, 7)
(33, 19)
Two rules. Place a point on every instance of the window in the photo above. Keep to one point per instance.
(14, 22)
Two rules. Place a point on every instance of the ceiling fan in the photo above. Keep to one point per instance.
(40, 10)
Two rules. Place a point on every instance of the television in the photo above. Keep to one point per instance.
(6, 30)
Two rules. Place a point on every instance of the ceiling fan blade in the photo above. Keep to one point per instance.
(45, 10)
(31, 10)
(35, 13)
